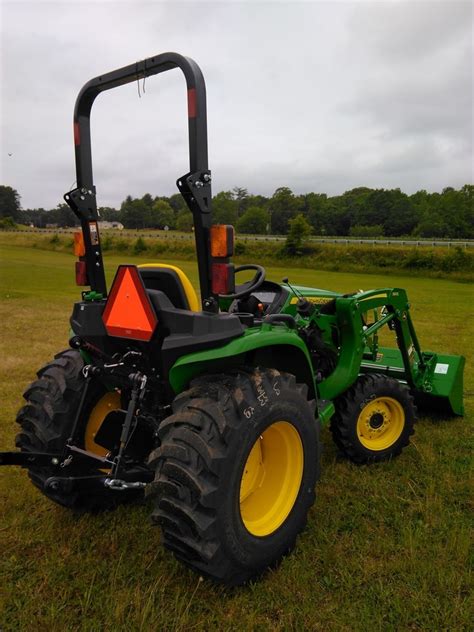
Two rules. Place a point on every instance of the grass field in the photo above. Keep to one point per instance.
(387, 547)
(455, 264)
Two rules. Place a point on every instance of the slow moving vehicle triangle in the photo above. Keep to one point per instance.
(128, 313)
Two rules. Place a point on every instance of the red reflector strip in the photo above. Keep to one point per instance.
(77, 134)
(128, 312)
(81, 273)
(192, 104)
(133, 334)
(222, 278)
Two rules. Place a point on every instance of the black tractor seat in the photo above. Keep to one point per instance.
(167, 280)
(183, 331)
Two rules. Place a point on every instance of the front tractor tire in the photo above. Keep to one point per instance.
(46, 423)
(235, 472)
(374, 419)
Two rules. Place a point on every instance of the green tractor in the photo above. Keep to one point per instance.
(212, 407)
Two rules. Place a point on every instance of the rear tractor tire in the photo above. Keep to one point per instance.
(46, 423)
(374, 419)
(235, 472)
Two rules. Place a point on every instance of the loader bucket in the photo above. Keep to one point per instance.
(443, 391)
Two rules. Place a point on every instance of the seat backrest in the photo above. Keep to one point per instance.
(173, 282)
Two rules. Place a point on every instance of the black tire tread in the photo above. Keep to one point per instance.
(347, 409)
(194, 443)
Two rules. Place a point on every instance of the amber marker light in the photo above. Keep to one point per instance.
(79, 247)
(222, 241)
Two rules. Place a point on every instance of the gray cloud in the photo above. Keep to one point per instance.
(316, 96)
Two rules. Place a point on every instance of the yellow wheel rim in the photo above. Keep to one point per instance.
(380, 423)
(107, 403)
(271, 479)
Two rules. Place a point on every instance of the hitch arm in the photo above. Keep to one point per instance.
(27, 459)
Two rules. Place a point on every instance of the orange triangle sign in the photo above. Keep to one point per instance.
(128, 312)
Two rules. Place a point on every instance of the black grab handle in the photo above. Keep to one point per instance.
(197, 120)
(286, 319)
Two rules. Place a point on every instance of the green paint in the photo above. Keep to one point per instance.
(93, 296)
(254, 338)
(326, 411)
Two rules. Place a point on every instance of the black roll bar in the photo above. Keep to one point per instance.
(134, 72)
(194, 186)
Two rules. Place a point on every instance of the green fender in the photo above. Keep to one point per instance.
(271, 345)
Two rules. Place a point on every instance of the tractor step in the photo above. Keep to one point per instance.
(326, 410)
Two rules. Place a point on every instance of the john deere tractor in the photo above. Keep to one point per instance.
(212, 405)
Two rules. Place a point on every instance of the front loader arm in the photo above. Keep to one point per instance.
(354, 335)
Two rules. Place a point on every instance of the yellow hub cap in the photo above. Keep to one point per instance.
(271, 479)
(107, 403)
(380, 423)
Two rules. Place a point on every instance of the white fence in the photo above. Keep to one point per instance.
(162, 234)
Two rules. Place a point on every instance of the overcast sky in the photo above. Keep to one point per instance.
(317, 96)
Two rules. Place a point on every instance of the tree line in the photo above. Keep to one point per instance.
(360, 212)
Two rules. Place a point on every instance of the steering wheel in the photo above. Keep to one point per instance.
(249, 286)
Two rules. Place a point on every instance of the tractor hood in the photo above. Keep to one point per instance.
(314, 295)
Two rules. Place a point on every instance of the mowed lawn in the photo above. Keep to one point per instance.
(386, 547)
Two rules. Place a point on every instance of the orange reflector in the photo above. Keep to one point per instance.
(79, 247)
(222, 240)
(128, 312)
